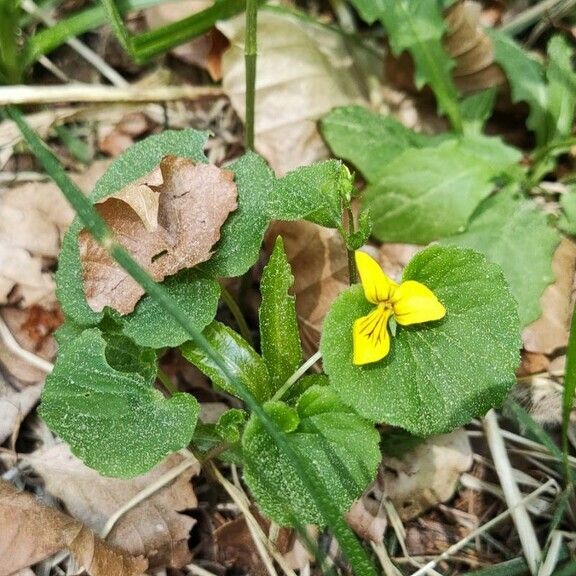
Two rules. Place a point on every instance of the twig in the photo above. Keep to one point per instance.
(15, 348)
(87, 53)
(148, 491)
(512, 494)
(97, 93)
(460, 544)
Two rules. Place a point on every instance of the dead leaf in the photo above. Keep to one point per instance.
(33, 219)
(550, 332)
(32, 532)
(194, 200)
(32, 328)
(532, 363)
(204, 51)
(15, 406)
(113, 139)
(155, 528)
(290, 53)
(426, 475)
(368, 517)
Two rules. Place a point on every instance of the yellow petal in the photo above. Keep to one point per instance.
(377, 286)
(370, 338)
(414, 303)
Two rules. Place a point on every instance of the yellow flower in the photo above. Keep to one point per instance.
(409, 302)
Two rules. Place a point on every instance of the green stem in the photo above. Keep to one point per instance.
(237, 313)
(166, 382)
(303, 467)
(250, 53)
(568, 399)
(352, 276)
(297, 375)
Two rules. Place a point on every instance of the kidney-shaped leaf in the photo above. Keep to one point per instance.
(340, 445)
(440, 374)
(116, 422)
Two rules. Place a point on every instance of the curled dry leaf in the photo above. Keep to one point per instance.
(426, 475)
(32, 532)
(168, 220)
(368, 517)
(155, 528)
(290, 53)
(550, 332)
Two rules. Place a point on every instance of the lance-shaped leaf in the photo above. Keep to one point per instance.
(279, 337)
(423, 385)
(241, 359)
(115, 421)
(342, 447)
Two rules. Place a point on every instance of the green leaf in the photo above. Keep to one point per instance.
(124, 355)
(150, 325)
(137, 161)
(115, 421)
(515, 234)
(230, 424)
(369, 140)
(423, 385)
(567, 221)
(561, 89)
(418, 26)
(279, 335)
(526, 78)
(341, 447)
(310, 192)
(476, 109)
(427, 193)
(241, 360)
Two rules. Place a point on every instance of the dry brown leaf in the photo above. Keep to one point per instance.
(154, 528)
(32, 329)
(368, 517)
(15, 405)
(551, 330)
(32, 532)
(426, 475)
(33, 219)
(290, 53)
(194, 200)
(204, 51)
(115, 138)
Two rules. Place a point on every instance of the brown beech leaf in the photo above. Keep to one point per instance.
(303, 72)
(550, 332)
(193, 202)
(32, 532)
(155, 528)
(426, 475)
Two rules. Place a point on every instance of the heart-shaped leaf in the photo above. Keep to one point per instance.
(438, 375)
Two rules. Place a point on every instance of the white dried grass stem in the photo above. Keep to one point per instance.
(76, 93)
(15, 348)
(553, 554)
(520, 516)
(196, 570)
(384, 559)
(479, 531)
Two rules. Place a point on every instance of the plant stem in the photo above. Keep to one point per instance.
(568, 400)
(352, 276)
(250, 54)
(296, 376)
(237, 313)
